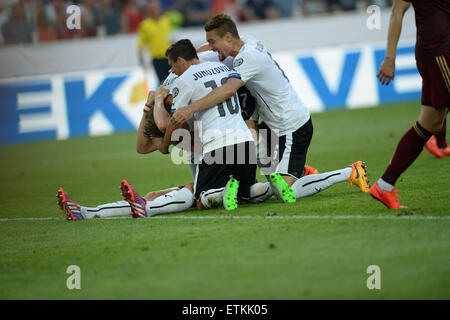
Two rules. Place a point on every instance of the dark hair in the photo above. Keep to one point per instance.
(182, 48)
(222, 23)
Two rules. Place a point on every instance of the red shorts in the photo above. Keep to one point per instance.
(435, 81)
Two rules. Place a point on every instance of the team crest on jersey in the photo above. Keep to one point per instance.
(237, 62)
(175, 92)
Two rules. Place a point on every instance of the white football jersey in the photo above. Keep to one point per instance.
(278, 104)
(168, 82)
(203, 56)
(218, 126)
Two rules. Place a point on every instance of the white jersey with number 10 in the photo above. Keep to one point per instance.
(221, 125)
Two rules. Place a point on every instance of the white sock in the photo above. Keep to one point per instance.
(212, 198)
(119, 208)
(384, 185)
(314, 183)
(260, 192)
(174, 201)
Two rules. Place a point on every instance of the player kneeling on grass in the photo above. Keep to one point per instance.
(195, 80)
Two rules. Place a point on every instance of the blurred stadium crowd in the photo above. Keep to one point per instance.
(34, 21)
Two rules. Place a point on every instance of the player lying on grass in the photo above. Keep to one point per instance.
(163, 201)
(278, 106)
(170, 200)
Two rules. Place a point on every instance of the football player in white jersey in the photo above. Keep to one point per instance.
(278, 106)
(150, 132)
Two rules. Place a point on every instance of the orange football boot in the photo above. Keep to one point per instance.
(388, 198)
(433, 147)
(310, 170)
(358, 177)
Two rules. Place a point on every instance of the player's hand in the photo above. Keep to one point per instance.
(387, 70)
(181, 115)
(151, 98)
(162, 92)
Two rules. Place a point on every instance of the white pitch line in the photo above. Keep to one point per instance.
(299, 217)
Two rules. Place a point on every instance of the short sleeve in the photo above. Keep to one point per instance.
(245, 66)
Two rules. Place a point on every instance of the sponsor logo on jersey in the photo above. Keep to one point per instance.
(175, 92)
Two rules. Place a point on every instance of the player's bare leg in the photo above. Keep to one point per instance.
(289, 179)
(432, 119)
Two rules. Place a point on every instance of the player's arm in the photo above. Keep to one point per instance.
(387, 68)
(145, 144)
(204, 47)
(213, 98)
(160, 113)
(166, 141)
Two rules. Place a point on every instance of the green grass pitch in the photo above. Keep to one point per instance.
(317, 248)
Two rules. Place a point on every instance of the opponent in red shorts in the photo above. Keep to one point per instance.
(433, 61)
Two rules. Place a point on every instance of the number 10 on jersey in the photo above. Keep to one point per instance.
(232, 106)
